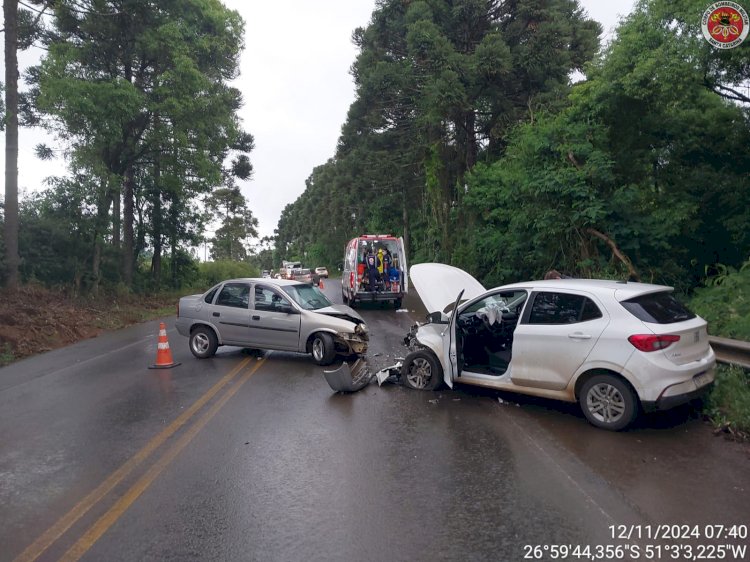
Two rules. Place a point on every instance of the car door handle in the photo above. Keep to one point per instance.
(579, 336)
(217, 314)
(256, 317)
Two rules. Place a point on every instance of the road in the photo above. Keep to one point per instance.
(250, 456)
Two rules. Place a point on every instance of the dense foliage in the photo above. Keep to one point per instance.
(138, 94)
(495, 135)
(468, 138)
(725, 302)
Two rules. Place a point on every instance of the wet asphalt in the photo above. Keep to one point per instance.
(251, 456)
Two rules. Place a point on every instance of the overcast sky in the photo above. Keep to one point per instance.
(297, 89)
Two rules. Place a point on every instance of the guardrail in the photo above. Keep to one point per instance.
(733, 352)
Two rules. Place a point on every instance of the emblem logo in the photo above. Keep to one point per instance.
(725, 24)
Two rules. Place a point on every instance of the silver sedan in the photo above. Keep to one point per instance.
(274, 314)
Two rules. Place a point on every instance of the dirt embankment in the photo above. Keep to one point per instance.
(35, 319)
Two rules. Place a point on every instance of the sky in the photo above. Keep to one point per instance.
(295, 81)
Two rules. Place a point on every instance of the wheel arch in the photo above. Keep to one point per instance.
(311, 336)
(211, 327)
(431, 344)
(586, 375)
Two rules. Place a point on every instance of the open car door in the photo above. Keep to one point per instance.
(451, 357)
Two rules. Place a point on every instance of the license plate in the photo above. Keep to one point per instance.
(702, 380)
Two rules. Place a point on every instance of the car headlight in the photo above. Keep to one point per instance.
(360, 329)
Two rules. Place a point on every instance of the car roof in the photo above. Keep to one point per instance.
(623, 290)
(266, 280)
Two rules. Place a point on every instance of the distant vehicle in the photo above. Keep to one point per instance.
(322, 272)
(265, 274)
(614, 347)
(271, 314)
(303, 275)
(390, 284)
(287, 267)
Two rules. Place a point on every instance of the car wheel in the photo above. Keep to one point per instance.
(203, 342)
(344, 297)
(608, 402)
(397, 303)
(421, 371)
(322, 348)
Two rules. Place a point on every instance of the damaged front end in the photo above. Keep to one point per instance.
(410, 340)
(356, 343)
(436, 321)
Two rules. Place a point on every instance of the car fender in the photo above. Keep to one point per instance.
(196, 322)
(430, 337)
(606, 366)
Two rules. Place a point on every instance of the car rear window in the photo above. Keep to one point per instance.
(658, 308)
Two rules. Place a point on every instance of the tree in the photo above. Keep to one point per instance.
(643, 175)
(21, 28)
(440, 83)
(137, 86)
(10, 13)
(237, 224)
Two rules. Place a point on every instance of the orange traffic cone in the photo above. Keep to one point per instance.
(163, 354)
(320, 283)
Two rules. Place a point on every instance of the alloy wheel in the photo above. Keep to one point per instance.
(605, 403)
(201, 343)
(420, 372)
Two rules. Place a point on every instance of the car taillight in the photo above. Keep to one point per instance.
(652, 342)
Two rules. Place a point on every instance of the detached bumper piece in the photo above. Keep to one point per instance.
(349, 379)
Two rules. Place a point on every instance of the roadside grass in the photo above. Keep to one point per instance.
(6, 355)
(35, 319)
(728, 404)
(126, 314)
(724, 302)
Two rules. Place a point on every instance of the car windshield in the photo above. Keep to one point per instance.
(308, 297)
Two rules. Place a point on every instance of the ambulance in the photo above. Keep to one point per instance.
(384, 280)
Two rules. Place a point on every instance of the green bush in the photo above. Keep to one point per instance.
(725, 302)
(212, 272)
(6, 355)
(728, 405)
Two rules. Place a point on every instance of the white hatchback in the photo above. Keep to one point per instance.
(614, 347)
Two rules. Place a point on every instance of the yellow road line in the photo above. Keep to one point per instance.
(41, 544)
(115, 512)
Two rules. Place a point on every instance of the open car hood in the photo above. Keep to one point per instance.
(438, 285)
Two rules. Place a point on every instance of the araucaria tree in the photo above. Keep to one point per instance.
(140, 92)
(439, 85)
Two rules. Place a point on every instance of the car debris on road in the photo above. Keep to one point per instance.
(357, 376)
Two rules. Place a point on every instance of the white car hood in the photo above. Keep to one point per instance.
(438, 285)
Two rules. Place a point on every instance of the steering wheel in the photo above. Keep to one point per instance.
(469, 323)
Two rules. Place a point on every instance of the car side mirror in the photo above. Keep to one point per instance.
(286, 309)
